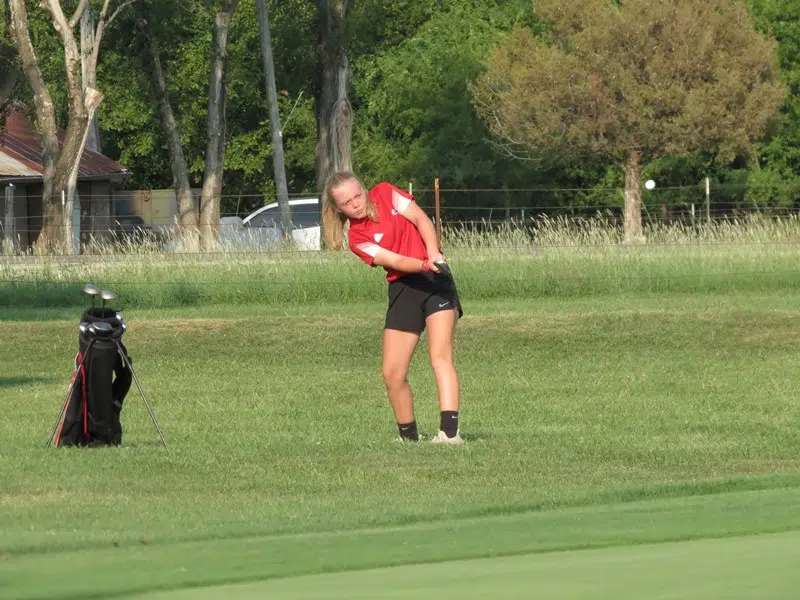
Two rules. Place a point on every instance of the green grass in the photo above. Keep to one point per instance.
(565, 259)
(728, 569)
(613, 397)
(557, 541)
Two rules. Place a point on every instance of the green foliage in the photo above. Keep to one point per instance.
(640, 78)
(414, 64)
(780, 156)
(414, 119)
(248, 159)
(9, 69)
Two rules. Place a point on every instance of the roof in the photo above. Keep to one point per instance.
(21, 153)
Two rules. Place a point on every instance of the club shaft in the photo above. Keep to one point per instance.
(141, 391)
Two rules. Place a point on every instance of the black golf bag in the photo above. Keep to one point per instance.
(100, 382)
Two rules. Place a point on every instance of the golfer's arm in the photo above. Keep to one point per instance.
(398, 262)
(425, 227)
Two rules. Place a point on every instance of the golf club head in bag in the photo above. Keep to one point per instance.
(92, 291)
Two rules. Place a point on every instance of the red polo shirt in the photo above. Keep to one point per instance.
(392, 231)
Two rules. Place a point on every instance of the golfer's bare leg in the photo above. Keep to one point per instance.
(398, 348)
(441, 328)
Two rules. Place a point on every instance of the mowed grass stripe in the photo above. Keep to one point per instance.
(762, 567)
(138, 569)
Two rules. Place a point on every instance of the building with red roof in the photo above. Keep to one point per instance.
(21, 171)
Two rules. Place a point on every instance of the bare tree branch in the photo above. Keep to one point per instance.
(19, 30)
(102, 23)
(116, 12)
(78, 14)
(71, 54)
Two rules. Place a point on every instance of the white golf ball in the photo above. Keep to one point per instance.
(650, 184)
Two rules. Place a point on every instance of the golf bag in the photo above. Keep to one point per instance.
(100, 382)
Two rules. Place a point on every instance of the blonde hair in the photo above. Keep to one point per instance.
(332, 220)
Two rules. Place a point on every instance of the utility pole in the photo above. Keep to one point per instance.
(274, 119)
(9, 231)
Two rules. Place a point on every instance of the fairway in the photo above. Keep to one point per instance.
(441, 299)
(728, 569)
(602, 432)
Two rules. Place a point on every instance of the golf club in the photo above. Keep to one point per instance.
(101, 329)
(107, 295)
(443, 268)
(91, 290)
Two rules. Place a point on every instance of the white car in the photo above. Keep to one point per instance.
(263, 227)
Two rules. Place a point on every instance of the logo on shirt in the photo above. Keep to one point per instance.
(394, 212)
(378, 237)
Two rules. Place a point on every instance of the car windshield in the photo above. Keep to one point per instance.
(265, 219)
(303, 215)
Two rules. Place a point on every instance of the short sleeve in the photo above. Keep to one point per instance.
(362, 247)
(394, 196)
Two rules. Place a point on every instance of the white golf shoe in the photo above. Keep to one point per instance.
(441, 438)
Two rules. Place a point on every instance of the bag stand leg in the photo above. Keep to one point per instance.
(136, 380)
(69, 393)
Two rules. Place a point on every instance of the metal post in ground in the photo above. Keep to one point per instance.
(438, 213)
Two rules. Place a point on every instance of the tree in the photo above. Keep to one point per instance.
(275, 119)
(632, 81)
(215, 149)
(778, 168)
(188, 217)
(175, 23)
(414, 119)
(88, 75)
(60, 161)
(334, 113)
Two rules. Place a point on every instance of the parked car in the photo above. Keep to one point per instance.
(263, 227)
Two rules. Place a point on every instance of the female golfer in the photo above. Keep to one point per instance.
(388, 229)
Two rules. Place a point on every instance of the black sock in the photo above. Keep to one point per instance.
(448, 422)
(408, 431)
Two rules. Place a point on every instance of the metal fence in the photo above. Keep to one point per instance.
(131, 215)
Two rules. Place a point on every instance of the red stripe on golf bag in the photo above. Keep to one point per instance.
(85, 400)
(57, 437)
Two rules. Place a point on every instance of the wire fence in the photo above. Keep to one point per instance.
(134, 218)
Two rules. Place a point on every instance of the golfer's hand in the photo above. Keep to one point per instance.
(430, 266)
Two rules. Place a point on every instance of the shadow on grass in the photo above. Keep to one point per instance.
(12, 382)
(475, 436)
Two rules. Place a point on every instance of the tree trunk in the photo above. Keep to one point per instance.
(187, 226)
(278, 162)
(93, 98)
(215, 149)
(88, 74)
(334, 113)
(60, 163)
(633, 200)
(51, 236)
